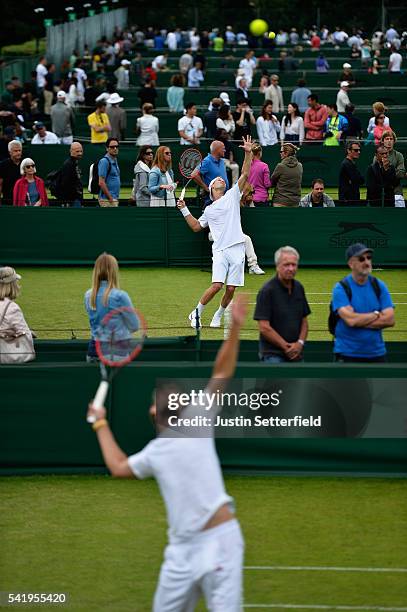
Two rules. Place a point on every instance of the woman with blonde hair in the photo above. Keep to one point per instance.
(286, 178)
(148, 127)
(104, 295)
(16, 338)
(259, 178)
(161, 179)
(29, 190)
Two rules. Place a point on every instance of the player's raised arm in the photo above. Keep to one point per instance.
(226, 359)
(190, 219)
(247, 162)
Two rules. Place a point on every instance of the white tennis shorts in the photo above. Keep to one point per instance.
(229, 264)
(210, 564)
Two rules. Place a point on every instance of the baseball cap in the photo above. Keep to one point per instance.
(38, 125)
(354, 250)
(125, 62)
(8, 275)
(345, 84)
(346, 65)
(61, 94)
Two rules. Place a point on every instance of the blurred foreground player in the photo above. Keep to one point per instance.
(205, 550)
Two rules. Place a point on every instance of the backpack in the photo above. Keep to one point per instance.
(333, 317)
(53, 183)
(93, 184)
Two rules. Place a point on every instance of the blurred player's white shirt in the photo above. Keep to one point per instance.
(190, 479)
(223, 219)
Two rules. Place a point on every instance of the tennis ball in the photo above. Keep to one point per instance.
(272, 34)
(258, 27)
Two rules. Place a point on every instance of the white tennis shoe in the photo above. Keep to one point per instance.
(193, 320)
(216, 320)
(256, 270)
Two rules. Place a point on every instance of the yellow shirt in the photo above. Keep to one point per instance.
(99, 120)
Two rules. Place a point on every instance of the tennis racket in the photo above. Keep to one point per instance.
(119, 339)
(189, 162)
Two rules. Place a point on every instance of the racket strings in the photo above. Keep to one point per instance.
(189, 162)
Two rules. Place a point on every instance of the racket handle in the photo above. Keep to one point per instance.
(181, 197)
(99, 399)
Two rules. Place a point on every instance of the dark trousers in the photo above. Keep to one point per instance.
(346, 359)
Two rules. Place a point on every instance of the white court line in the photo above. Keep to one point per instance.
(326, 607)
(324, 568)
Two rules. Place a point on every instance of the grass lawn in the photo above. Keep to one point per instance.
(52, 299)
(101, 540)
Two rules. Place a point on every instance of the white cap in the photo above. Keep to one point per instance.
(346, 65)
(225, 97)
(114, 99)
(345, 84)
(103, 97)
(125, 62)
(61, 94)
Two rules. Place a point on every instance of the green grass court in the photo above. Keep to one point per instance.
(52, 299)
(101, 541)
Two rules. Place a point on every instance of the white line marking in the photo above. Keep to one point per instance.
(326, 607)
(324, 568)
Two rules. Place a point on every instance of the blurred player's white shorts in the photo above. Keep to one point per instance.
(209, 564)
(229, 264)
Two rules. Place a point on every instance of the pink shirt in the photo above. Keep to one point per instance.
(259, 177)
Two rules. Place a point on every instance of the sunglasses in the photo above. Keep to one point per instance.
(167, 152)
(356, 150)
(29, 166)
(363, 258)
(113, 146)
(148, 153)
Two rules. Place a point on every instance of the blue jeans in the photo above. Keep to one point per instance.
(278, 359)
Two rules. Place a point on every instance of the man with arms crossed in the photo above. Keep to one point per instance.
(364, 309)
(205, 550)
(223, 219)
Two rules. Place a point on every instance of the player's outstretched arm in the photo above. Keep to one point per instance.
(247, 162)
(190, 219)
(226, 359)
(115, 458)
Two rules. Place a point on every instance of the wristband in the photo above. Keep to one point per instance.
(301, 341)
(185, 211)
(377, 313)
(99, 424)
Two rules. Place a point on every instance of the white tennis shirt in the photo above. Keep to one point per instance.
(223, 219)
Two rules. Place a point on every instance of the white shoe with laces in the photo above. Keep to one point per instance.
(216, 320)
(256, 270)
(193, 320)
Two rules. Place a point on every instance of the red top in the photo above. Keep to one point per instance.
(21, 188)
(314, 121)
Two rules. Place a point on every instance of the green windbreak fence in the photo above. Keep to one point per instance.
(43, 426)
(317, 161)
(160, 236)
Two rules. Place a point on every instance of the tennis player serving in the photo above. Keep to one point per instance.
(205, 550)
(228, 249)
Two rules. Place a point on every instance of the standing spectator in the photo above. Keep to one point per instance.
(365, 56)
(364, 307)
(195, 76)
(140, 193)
(259, 178)
(241, 93)
(212, 166)
(378, 108)
(218, 43)
(395, 61)
(268, 126)
(148, 127)
(335, 125)
(350, 178)
(275, 94)
(29, 190)
(161, 183)
(315, 42)
(286, 178)
(171, 41)
(41, 71)
(10, 171)
(321, 64)
(342, 98)
(380, 128)
(391, 34)
(82, 80)
(354, 128)
(314, 120)
(122, 74)
(150, 75)
(248, 65)
(281, 312)
(381, 180)
(244, 119)
(292, 125)
(49, 88)
(73, 98)
(190, 127)
(99, 124)
(175, 94)
(376, 65)
(226, 122)
(13, 325)
(396, 159)
(70, 188)
(117, 117)
(42, 135)
(185, 62)
(194, 40)
(109, 175)
(317, 198)
(62, 119)
(147, 93)
(300, 95)
(210, 119)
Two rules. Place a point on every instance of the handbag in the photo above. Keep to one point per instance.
(15, 348)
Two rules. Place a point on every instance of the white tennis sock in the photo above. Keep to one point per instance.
(200, 308)
(220, 311)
